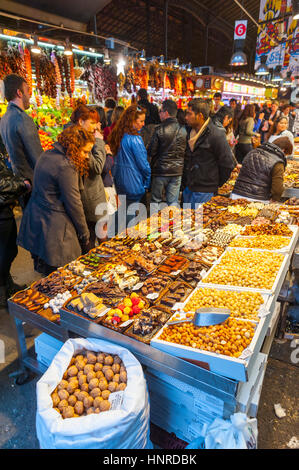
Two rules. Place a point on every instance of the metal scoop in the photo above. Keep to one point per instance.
(205, 317)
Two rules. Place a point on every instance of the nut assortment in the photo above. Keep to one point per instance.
(246, 269)
(241, 304)
(265, 242)
(87, 384)
(229, 338)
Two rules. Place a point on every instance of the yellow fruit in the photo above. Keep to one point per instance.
(134, 295)
(127, 310)
(118, 312)
(128, 302)
(141, 304)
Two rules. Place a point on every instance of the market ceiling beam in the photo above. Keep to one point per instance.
(43, 16)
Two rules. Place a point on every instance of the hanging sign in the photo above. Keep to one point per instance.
(240, 29)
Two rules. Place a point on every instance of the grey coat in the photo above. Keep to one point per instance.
(21, 139)
(94, 191)
(54, 220)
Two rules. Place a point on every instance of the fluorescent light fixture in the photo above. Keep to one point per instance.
(107, 59)
(295, 9)
(35, 49)
(262, 68)
(238, 59)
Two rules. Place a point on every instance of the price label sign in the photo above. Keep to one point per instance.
(240, 29)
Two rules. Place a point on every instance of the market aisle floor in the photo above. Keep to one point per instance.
(18, 403)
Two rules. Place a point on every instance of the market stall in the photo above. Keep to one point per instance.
(128, 291)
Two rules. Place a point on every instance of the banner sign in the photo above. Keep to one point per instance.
(240, 29)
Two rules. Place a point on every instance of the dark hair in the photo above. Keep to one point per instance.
(273, 128)
(257, 108)
(116, 113)
(110, 103)
(12, 83)
(125, 125)
(233, 100)
(248, 111)
(171, 107)
(102, 115)
(181, 117)
(224, 111)
(84, 113)
(142, 93)
(284, 144)
(218, 95)
(285, 106)
(200, 106)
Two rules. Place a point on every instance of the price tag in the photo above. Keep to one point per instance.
(178, 306)
(245, 354)
(203, 272)
(116, 400)
(138, 286)
(152, 296)
(175, 273)
(86, 273)
(263, 312)
(128, 322)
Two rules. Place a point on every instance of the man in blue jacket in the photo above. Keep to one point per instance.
(18, 131)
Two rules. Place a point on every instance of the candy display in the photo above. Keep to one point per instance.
(87, 384)
(89, 304)
(148, 323)
(30, 299)
(108, 291)
(176, 292)
(193, 274)
(57, 283)
(229, 338)
(154, 285)
(122, 315)
(246, 269)
(173, 264)
(265, 242)
(268, 229)
(241, 304)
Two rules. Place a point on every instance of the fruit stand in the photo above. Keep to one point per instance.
(127, 290)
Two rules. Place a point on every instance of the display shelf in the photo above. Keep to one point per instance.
(211, 383)
(247, 390)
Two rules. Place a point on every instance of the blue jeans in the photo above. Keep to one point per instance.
(171, 185)
(194, 198)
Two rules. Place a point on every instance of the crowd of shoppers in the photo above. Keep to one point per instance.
(104, 153)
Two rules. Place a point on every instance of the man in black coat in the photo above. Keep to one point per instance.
(152, 112)
(11, 188)
(166, 154)
(208, 158)
(18, 131)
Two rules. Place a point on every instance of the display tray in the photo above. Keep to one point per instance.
(81, 313)
(230, 367)
(263, 310)
(121, 327)
(289, 247)
(75, 279)
(94, 261)
(151, 283)
(170, 296)
(173, 265)
(281, 272)
(146, 339)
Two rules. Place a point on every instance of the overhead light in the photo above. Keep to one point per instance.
(161, 60)
(262, 68)
(107, 59)
(68, 48)
(276, 75)
(143, 56)
(238, 59)
(176, 64)
(295, 9)
(288, 81)
(35, 48)
(121, 65)
(189, 69)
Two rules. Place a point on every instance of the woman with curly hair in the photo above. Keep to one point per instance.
(53, 226)
(131, 170)
(93, 192)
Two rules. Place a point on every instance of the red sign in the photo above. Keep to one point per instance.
(240, 29)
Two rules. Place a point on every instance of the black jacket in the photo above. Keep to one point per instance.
(21, 139)
(255, 177)
(11, 188)
(167, 149)
(152, 112)
(210, 164)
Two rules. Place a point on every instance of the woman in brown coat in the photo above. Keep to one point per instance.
(53, 226)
